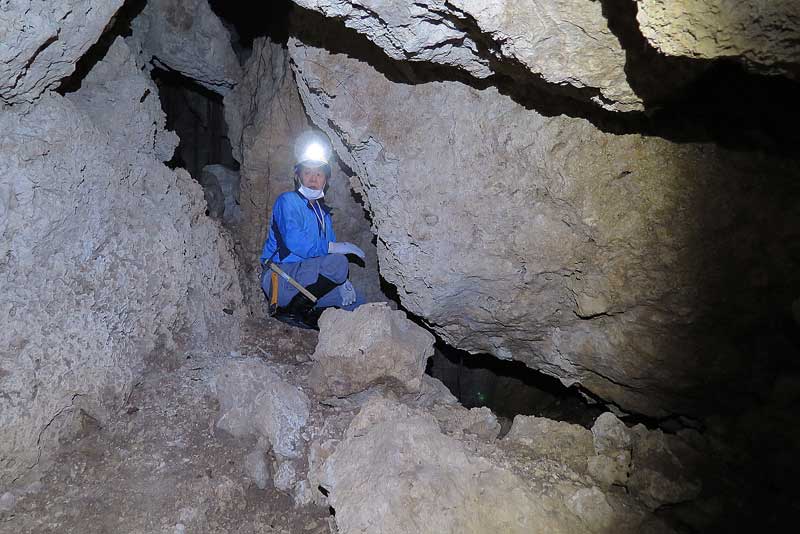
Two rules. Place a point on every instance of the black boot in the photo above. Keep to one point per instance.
(300, 311)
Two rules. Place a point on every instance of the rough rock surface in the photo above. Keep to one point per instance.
(119, 101)
(567, 443)
(108, 258)
(396, 472)
(40, 42)
(224, 201)
(256, 468)
(663, 468)
(186, 36)
(265, 117)
(565, 43)
(765, 36)
(256, 402)
(367, 346)
(615, 240)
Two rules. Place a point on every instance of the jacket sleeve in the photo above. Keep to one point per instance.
(299, 237)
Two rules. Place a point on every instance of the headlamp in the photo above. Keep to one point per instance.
(314, 152)
(313, 149)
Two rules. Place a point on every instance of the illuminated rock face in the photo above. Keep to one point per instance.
(566, 46)
(765, 36)
(108, 258)
(621, 262)
(187, 37)
(40, 42)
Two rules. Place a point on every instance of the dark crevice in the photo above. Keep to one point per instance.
(118, 26)
(197, 115)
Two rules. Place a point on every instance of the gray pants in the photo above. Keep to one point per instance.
(332, 266)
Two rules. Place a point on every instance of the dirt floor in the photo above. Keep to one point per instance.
(159, 465)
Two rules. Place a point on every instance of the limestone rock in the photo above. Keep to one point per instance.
(186, 36)
(285, 476)
(591, 505)
(109, 260)
(396, 472)
(373, 344)
(256, 402)
(614, 239)
(566, 43)
(765, 36)
(612, 443)
(124, 103)
(40, 42)
(664, 468)
(224, 183)
(564, 442)
(255, 467)
(479, 422)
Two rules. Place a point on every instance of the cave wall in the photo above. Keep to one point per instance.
(764, 36)
(42, 42)
(108, 260)
(631, 264)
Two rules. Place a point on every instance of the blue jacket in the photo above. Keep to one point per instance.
(295, 231)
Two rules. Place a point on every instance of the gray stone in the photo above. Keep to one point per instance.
(187, 37)
(96, 233)
(765, 36)
(563, 42)
(40, 42)
(255, 467)
(614, 239)
(373, 344)
(226, 202)
(124, 104)
(285, 476)
(417, 480)
(256, 402)
(664, 468)
(479, 422)
(591, 506)
(7, 502)
(564, 442)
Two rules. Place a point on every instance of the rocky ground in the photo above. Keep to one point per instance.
(342, 432)
(161, 466)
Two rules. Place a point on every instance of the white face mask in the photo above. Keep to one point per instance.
(311, 194)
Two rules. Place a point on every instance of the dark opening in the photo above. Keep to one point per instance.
(197, 115)
(509, 388)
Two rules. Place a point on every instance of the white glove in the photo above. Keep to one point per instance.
(345, 248)
(348, 293)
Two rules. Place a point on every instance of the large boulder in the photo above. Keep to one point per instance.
(591, 256)
(40, 42)
(765, 36)
(109, 260)
(373, 344)
(186, 36)
(397, 473)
